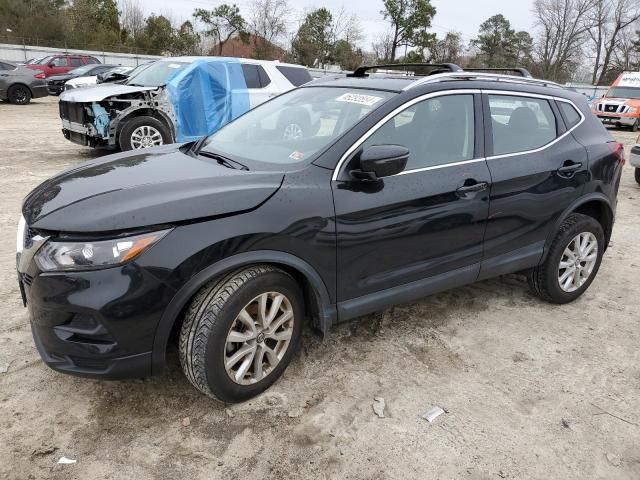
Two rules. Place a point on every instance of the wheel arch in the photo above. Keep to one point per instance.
(19, 84)
(595, 205)
(317, 299)
(146, 111)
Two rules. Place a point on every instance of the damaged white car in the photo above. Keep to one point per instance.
(176, 99)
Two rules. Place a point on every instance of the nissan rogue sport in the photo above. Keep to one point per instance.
(386, 188)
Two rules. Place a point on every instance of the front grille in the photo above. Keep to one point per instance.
(72, 111)
(611, 108)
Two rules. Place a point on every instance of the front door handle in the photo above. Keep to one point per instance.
(467, 190)
(569, 169)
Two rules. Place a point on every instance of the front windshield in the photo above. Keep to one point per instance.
(44, 60)
(295, 126)
(156, 74)
(81, 70)
(623, 92)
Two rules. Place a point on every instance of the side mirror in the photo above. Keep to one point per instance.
(380, 161)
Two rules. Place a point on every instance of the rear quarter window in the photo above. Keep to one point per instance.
(296, 75)
(570, 114)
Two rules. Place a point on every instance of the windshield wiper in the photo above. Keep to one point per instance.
(224, 161)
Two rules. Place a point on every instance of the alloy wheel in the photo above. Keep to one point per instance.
(578, 261)
(145, 136)
(258, 338)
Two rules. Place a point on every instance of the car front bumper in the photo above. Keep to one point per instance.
(617, 120)
(97, 324)
(55, 89)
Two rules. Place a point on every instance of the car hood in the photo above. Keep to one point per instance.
(132, 190)
(101, 92)
(80, 80)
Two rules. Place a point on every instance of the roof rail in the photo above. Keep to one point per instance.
(492, 77)
(438, 68)
(519, 72)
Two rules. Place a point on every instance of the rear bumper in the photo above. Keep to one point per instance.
(39, 91)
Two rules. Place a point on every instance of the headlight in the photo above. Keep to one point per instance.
(632, 110)
(89, 255)
(20, 235)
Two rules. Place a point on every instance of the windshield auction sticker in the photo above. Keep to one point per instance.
(359, 98)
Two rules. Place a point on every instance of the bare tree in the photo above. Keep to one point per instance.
(268, 25)
(346, 26)
(563, 25)
(132, 18)
(610, 20)
(449, 49)
(383, 47)
(626, 56)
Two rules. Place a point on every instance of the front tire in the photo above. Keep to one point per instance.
(143, 132)
(572, 262)
(19, 95)
(241, 332)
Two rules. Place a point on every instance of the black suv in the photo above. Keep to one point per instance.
(329, 202)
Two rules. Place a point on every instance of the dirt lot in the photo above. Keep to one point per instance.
(532, 391)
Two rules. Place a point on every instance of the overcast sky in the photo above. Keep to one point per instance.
(463, 15)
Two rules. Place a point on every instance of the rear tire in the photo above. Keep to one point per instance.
(545, 279)
(637, 175)
(227, 348)
(19, 95)
(143, 132)
(636, 126)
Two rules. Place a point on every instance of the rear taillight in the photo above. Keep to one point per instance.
(40, 75)
(618, 150)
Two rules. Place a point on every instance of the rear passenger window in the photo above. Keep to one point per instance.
(76, 62)
(251, 76)
(264, 78)
(571, 116)
(437, 131)
(296, 75)
(92, 60)
(520, 124)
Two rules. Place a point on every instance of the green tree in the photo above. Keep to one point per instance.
(157, 36)
(222, 23)
(313, 41)
(186, 41)
(347, 55)
(410, 20)
(496, 42)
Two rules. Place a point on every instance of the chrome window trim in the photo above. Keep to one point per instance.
(506, 93)
(392, 114)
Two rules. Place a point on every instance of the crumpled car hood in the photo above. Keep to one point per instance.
(154, 187)
(101, 92)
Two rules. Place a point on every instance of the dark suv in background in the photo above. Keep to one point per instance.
(392, 188)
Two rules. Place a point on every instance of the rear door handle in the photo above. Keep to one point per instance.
(569, 169)
(466, 190)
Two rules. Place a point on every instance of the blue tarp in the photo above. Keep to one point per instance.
(206, 95)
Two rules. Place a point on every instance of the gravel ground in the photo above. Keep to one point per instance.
(530, 390)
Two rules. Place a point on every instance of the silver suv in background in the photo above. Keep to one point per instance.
(19, 85)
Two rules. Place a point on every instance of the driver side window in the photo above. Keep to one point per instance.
(437, 131)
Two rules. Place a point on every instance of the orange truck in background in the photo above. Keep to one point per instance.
(620, 106)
